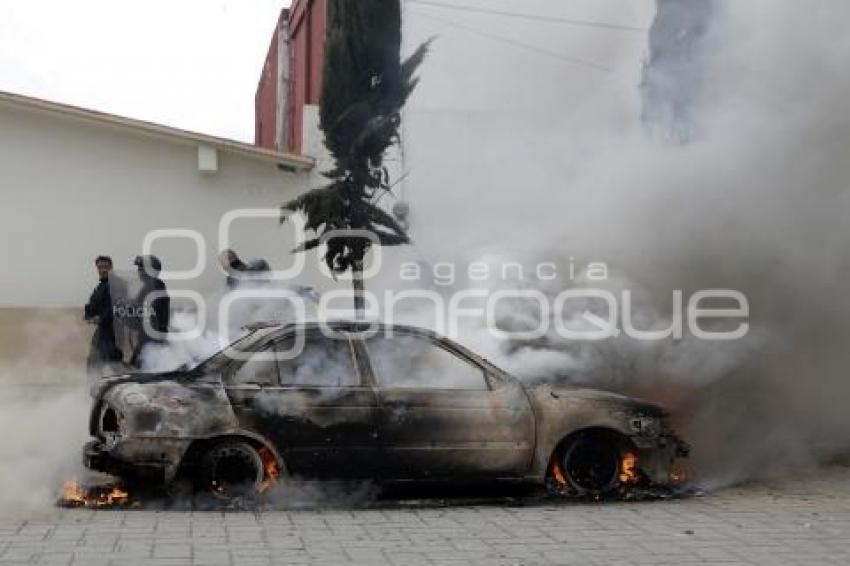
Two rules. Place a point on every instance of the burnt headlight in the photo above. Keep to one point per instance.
(645, 425)
(111, 426)
(109, 421)
(147, 420)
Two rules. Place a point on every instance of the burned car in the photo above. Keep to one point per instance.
(390, 404)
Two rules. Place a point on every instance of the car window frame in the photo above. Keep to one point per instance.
(221, 363)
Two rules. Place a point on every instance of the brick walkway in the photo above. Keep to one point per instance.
(805, 521)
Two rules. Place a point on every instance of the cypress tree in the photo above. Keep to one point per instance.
(365, 86)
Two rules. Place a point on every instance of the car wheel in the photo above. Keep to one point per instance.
(590, 464)
(232, 471)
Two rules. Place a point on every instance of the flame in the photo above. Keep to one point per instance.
(628, 469)
(272, 470)
(74, 494)
(558, 474)
(680, 473)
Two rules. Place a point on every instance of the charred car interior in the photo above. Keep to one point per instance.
(392, 404)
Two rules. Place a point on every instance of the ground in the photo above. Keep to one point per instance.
(805, 520)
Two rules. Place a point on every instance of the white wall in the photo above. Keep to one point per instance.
(71, 189)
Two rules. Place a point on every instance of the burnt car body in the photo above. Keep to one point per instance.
(393, 404)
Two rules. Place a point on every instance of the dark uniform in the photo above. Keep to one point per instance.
(158, 309)
(103, 350)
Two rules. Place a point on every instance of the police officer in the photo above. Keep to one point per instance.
(157, 308)
(98, 311)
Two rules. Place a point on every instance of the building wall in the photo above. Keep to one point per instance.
(284, 84)
(265, 124)
(307, 29)
(292, 76)
(270, 90)
(71, 189)
(47, 338)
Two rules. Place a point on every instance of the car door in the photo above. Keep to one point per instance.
(319, 412)
(441, 416)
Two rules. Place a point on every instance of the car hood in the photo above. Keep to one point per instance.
(160, 405)
(576, 393)
(100, 387)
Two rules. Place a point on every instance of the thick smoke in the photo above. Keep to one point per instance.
(45, 428)
(44, 411)
(755, 201)
(244, 305)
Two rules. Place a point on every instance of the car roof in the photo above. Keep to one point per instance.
(343, 326)
(354, 326)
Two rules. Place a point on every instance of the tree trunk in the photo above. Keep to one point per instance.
(359, 291)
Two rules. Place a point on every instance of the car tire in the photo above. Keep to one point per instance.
(590, 464)
(232, 472)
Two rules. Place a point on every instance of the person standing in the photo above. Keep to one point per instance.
(98, 311)
(154, 302)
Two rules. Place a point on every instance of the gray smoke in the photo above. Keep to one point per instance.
(44, 409)
(756, 202)
(182, 350)
(674, 73)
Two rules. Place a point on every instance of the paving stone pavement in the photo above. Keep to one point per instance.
(803, 521)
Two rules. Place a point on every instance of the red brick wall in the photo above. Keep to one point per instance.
(265, 105)
(307, 27)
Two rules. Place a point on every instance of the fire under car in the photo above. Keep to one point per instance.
(392, 404)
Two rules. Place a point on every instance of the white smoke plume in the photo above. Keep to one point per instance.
(284, 304)
(757, 200)
(44, 408)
